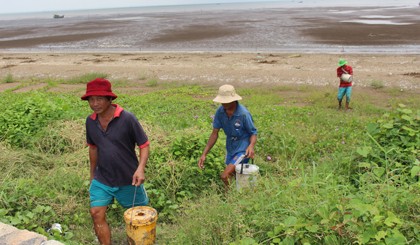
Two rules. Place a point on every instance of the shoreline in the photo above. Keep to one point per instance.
(283, 52)
(321, 30)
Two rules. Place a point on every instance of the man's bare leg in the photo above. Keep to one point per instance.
(101, 227)
(227, 175)
(348, 106)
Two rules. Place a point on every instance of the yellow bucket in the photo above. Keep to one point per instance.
(140, 225)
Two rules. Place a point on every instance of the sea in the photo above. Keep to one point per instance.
(227, 27)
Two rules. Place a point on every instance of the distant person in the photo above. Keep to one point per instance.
(238, 125)
(115, 171)
(344, 73)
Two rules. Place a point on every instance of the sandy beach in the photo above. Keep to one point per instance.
(296, 46)
(399, 71)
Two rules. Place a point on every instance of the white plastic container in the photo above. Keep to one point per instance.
(246, 175)
(347, 78)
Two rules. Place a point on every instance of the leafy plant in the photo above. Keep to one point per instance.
(394, 151)
(325, 177)
(177, 177)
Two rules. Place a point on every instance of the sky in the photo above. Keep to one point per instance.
(23, 6)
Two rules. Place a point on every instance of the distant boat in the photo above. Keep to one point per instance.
(57, 16)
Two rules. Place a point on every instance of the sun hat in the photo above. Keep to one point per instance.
(98, 87)
(226, 94)
(342, 62)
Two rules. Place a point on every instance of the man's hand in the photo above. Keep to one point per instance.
(138, 177)
(201, 161)
(250, 152)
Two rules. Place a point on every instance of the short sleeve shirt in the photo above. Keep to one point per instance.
(238, 128)
(340, 72)
(117, 159)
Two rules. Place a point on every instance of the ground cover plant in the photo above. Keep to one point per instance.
(326, 176)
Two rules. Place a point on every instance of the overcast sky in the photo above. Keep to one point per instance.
(19, 6)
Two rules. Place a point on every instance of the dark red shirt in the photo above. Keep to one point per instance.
(340, 72)
(117, 159)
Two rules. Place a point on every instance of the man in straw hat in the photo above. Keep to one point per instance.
(238, 125)
(345, 87)
(115, 171)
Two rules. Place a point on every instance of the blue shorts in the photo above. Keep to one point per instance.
(344, 91)
(231, 159)
(103, 195)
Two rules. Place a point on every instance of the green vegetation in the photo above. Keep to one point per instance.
(327, 176)
(8, 79)
(86, 78)
(377, 84)
(152, 83)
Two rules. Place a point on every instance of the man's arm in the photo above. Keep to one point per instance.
(139, 176)
(250, 149)
(210, 143)
(93, 158)
(339, 72)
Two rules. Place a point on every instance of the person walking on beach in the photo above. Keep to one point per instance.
(238, 125)
(115, 171)
(345, 87)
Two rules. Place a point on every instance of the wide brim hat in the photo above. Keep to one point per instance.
(342, 62)
(99, 87)
(226, 94)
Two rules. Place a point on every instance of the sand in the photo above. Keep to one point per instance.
(398, 71)
(201, 47)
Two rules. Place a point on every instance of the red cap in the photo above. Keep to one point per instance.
(98, 87)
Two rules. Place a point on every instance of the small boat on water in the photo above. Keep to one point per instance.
(57, 16)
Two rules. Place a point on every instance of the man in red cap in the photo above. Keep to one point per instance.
(116, 173)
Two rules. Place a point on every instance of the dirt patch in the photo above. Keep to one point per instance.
(99, 60)
(67, 88)
(35, 41)
(31, 88)
(195, 33)
(7, 86)
(413, 74)
(7, 66)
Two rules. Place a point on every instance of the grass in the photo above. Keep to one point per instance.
(152, 83)
(86, 78)
(377, 84)
(305, 192)
(8, 79)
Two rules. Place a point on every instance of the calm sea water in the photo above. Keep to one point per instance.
(220, 6)
(145, 23)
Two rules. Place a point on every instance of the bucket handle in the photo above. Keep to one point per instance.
(242, 165)
(134, 199)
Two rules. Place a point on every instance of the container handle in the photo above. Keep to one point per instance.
(134, 199)
(242, 165)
